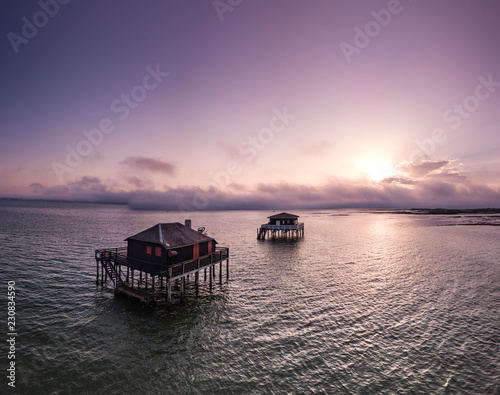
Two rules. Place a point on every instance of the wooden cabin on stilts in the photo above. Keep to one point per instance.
(159, 256)
(283, 225)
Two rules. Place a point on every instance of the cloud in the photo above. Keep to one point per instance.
(442, 190)
(316, 148)
(88, 189)
(230, 150)
(421, 169)
(399, 180)
(148, 164)
(139, 183)
(449, 176)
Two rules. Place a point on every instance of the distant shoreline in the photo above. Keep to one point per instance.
(414, 211)
(15, 199)
(446, 211)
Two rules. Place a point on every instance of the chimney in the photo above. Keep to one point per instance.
(187, 222)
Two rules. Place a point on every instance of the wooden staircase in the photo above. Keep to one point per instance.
(107, 263)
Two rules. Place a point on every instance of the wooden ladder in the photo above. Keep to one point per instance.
(111, 270)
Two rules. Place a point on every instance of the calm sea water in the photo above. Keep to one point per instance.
(365, 303)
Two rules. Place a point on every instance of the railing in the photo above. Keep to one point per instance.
(283, 227)
(119, 256)
(110, 253)
(182, 268)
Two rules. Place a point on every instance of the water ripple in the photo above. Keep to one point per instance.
(364, 303)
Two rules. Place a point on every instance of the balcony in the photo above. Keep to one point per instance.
(298, 226)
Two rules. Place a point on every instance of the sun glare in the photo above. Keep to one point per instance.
(377, 170)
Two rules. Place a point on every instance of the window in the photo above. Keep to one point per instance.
(149, 250)
(157, 251)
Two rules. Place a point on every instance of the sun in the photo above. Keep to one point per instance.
(377, 170)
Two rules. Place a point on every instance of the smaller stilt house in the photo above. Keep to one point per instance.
(281, 225)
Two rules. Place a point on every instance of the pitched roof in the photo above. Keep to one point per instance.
(171, 235)
(284, 216)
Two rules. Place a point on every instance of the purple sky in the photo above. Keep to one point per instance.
(251, 104)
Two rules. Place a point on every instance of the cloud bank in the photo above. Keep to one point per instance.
(442, 188)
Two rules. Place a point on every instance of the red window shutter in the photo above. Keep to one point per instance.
(158, 251)
(210, 247)
(149, 250)
(196, 251)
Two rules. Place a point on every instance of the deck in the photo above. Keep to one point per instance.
(283, 227)
(130, 276)
(280, 231)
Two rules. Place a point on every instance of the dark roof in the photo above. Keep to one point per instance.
(284, 216)
(171, 235)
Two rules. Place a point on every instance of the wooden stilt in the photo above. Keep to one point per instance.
(169, 285)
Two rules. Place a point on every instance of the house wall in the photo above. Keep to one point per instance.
(204, 248)
(138, 250)
(186, 253)
(273, 221)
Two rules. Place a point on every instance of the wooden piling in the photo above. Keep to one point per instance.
(169, 291)
(169, 285)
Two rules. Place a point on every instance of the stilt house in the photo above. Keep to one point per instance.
(157, 256)
(281, 225)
